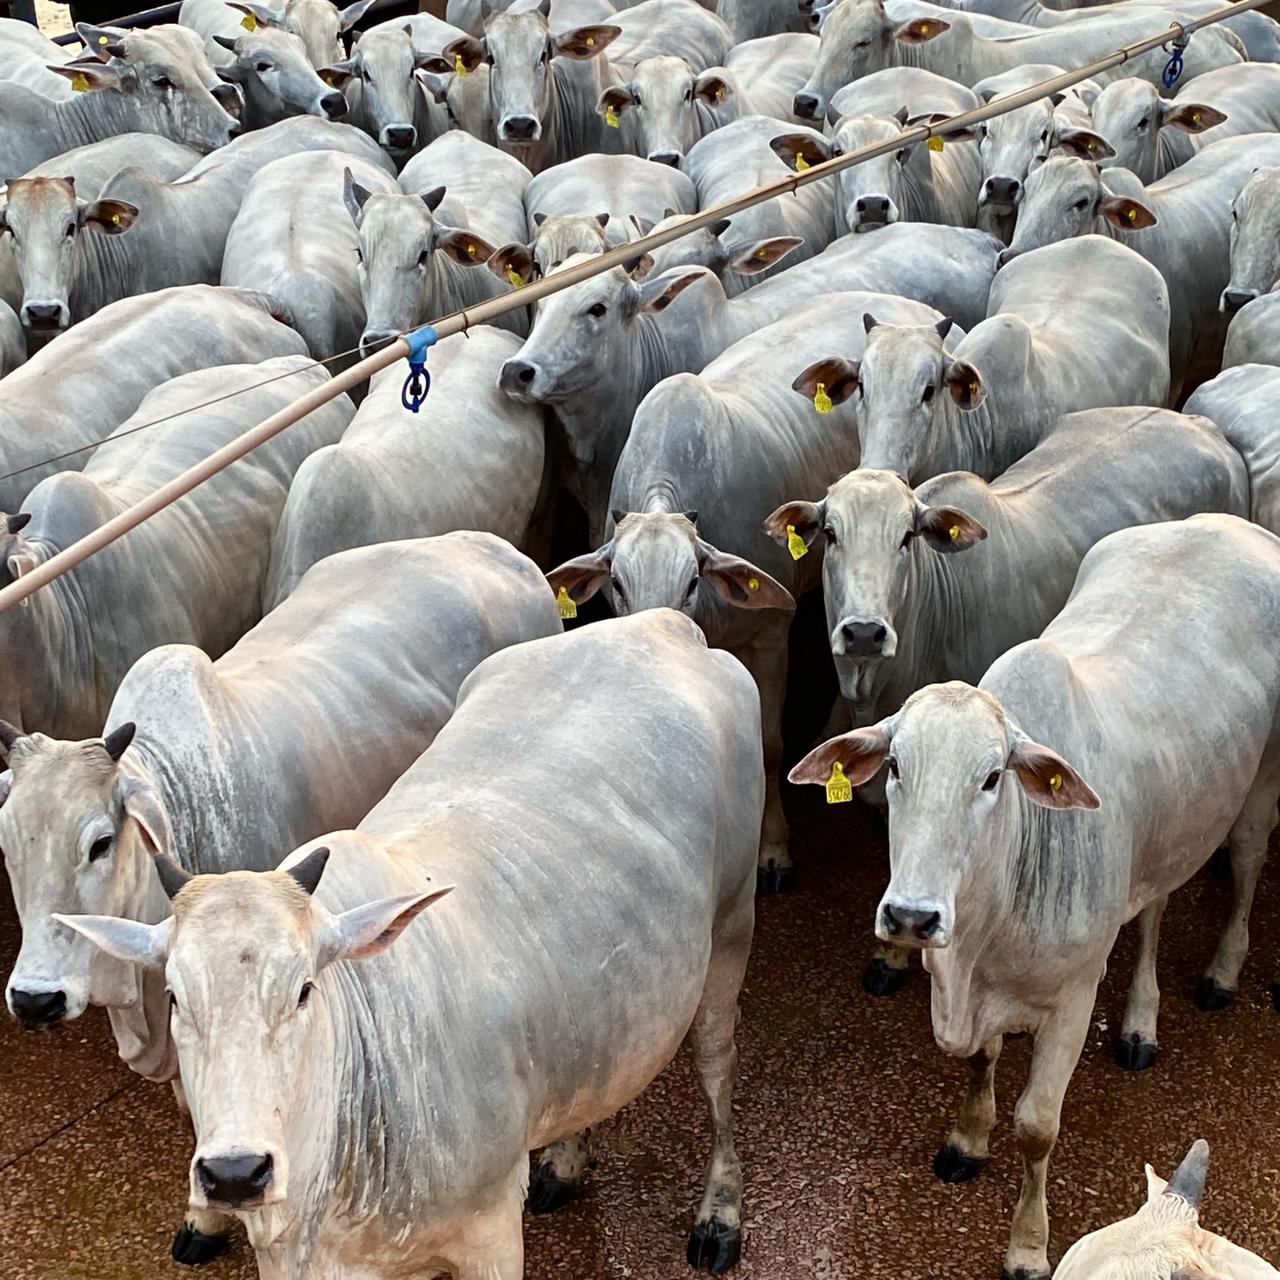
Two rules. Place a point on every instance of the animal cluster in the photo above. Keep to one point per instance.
(1005, 399)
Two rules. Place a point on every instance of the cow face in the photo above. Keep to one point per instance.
(1255, 252)
(385, 64)
(663, 96)
(519, 48)
(1130, 114)
(557, 239)
(277, 77)
(163, 81)
(656, 560)
(243, 956)
(874, 529)
(317, 23)
(956, 764)
(45, 220)
(77, 832)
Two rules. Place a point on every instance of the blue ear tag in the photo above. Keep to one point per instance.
(418, 383)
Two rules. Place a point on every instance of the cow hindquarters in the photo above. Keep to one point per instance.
(1036, 1119)
(204, 1233)
(766, 659)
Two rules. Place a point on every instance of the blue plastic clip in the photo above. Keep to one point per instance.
(418, 383)
(1173, 68)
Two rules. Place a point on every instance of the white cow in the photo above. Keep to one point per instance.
(294, 237)
(13, 342)
(924, 410)
(318, 23)
(1255, 257)
(126, 351)
(470, 460)
(91, 165)
(1253, 336)
(1164, 1237)
(193, 574)
(487, 1060)
(234, 759)
(277, 79)
(1015, 874)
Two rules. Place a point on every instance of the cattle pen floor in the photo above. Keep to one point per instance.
(842, 1101)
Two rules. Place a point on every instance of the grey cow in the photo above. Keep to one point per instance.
(233, 760)
(1253, 336)
(318, 23)
(193, 574)
(1255, 258)
(276, 77)
(1073, 790)
(124, 352)
(924, 410)
(487, 1060)
(471, 460)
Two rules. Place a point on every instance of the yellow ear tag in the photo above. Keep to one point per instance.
(935, 144)
(471, 249)
(795, 543)
(1132, 215)
(924, 28)
(1055, 783)
(954, 531)
(590, 41)
(104, 39)
(517, 280)
(249, 22)
(753, 584)
(328, 79)
(458, 65)
(611, 118)
(1195, 117)
(115, 217)
(822, 401)
(567, 608)
(80, 83)
(839, 788)
(801, 163)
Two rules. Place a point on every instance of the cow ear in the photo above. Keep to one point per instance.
(1193, 117)
(142, 804)
(368, 931)
(465, 247)
(101, 42)
(1048, 779)
(948, 529)
(1126, 214)
(354, 195)
(129, 940)
(86, 76)
(616, 99)
(1084, 144)
(859, 754)
(802, 518)
(966, 385)
(837, 377)
(760, 255)
(1155, 1184)
(8, 737)
(740, 582)
(920, 30)
(433, 74)
(512, 264)
(1189, 1179)
(19, 563)
(584, 42)
(352, 14)
(712, 88)
(642, 225)
(262, 15)
(110, 216)
(658, 294)
(799, 151)
(582, 576)
(337, 74)
(468, 50)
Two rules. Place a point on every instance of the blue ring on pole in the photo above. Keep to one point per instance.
(418, 383)
(1173, 68)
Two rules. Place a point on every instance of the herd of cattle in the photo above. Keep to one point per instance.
(942, 388)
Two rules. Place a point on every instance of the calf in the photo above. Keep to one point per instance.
(1014, 875)
(488, 1059)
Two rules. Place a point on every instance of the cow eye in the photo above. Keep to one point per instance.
(423, 258)
(901, 155)
(993, 779)
(162, 82)
(1080, 205)
(836, 151)
(691, 590)
(830, 534)
(99, 848)
(597, 310)
(359, 254)
(927, 394)
(893, 768)
(70, 231)
(262, 66)
(906, 539)
(305, 994)
(617, 587)
(635, 98)
(688, 94)
(1146, 120)
(173, 1003)
(862, 44)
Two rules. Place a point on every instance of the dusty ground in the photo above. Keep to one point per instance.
(54, 18)
(842, 1102)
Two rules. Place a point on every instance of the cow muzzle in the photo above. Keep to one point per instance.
(864, 638)
(37, 1010)
(1233, 299)
(237, 1181)
(372, 340)
(672, 158)
(871, 212)
(518, 379)
(922, 925)
(1000, 195)
(45, 317)
(399, 137)
(808, 106)
(1006, 256)
(520, 129)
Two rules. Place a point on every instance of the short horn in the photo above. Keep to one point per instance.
(173, 878)
(307, 873)
(117, 741)
(8, 736)
(1188, 1182)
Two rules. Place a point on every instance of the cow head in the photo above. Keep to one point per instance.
(656, 560)
(959, 768)
(1129, 113)
(277, 77)
(78, 830)
(874, 529)
(519, 48)
(319, 24)
(1255, 253)
(44, 220)
(244, 957)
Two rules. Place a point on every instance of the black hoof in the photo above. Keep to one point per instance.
(1135, 1054)
(1021, 1273)
(775, 877)
(714, 1247)
(193, 1248)
(952, 1165)
(547, 1191)
(1220, 864)
(880, 978)
(1210, 997)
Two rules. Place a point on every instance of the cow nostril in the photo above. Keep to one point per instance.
(1234, 299)
(235, 1180)
(891, 923)
(334, 105)
(402, 137)
(805, 105)
(927, 927)
(665, 157)
(36, 1009)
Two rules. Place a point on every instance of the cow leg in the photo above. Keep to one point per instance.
(1136, 1049)
(886, 971)
(965, 1151)
(767, 662)
(716, 1241)
(490, 1244)
(1248, 846)
(204, 1233)
(1036, 1119)
(559, 1172)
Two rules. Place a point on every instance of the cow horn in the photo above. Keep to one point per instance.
(16, 523)
(173, 878)
(307, 873)
(117, 741)
(8, 736)
(869, 322)
(1188, 1182)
